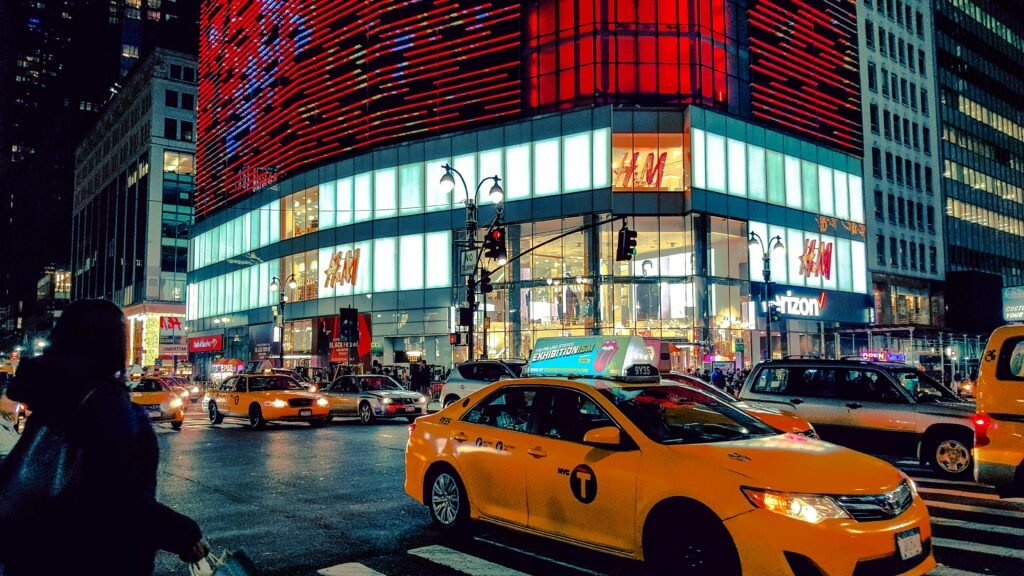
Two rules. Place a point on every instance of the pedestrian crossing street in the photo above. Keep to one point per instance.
(974, 533)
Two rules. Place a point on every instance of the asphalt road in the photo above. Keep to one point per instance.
(303, 501)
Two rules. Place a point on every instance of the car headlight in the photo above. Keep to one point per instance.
(421, 400)
(321, 401)
(812, 508)
(277, 403)
(385, 400)
(175, 402)
(195, 389)
(912, 484)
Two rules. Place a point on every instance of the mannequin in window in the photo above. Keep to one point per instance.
(648, 294)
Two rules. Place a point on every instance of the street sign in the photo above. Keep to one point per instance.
(469, 259)
(740, 346)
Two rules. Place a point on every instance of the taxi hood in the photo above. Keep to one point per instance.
(794, 463)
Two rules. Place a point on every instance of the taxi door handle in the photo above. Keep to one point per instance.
(537, 452)
(460, 437)
(853, 405)
(796, 401)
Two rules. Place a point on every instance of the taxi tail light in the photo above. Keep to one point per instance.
(982, 422)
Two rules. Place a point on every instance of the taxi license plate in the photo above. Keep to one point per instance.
(305, 412)
(155, 414)
(909, 543)
(410, 409)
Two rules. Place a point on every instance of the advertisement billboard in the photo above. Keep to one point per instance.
(214, 343)
(172, 337)
(1013, 304)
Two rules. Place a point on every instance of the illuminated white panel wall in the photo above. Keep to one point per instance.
(848, 270)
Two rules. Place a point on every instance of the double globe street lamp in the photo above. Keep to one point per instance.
(774, 245)
(497, 196)
(282, 298)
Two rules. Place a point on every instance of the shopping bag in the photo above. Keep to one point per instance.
(230, 563)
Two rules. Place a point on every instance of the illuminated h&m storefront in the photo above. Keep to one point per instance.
(377, 233)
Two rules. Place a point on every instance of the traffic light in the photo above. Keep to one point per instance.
(774, 315)
(455, 338)
(485, 282)
(494, 245)
(349, 325)
(627, 245)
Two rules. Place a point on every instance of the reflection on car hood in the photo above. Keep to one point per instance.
(777, 418)
(793, 463)
(393, 393)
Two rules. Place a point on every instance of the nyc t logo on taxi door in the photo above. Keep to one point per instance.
(583, 483)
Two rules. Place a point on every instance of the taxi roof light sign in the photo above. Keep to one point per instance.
(624, 358)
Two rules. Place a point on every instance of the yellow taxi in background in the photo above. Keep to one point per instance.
(162, 404)
(263, 398)
(999, 421)
(597, 452)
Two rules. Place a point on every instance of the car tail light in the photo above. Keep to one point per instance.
(982, 422)
(412, 428)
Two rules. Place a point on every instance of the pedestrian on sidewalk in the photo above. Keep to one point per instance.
(96, 510)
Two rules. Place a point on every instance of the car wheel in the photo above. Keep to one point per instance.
(950, 455)
(176, 425)
(256, 419)
(447, 500)
(450, 399)
(215, 416)
(700, 545)
(366, 413)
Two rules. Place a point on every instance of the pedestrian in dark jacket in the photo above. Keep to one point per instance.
(108, 521)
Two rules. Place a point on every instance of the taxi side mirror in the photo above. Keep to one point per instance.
(604, 436)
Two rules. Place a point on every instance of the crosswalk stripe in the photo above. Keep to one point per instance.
(538, 556)
(463, 562)
(980, 495)
(349, 569)
(977, 547)
(981, 527)
(975, 509)
(941, 570)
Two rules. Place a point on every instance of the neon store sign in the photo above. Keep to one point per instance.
(628, 173)
(816, 260)
(342, 269)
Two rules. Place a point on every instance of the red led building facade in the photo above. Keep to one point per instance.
(803, 70)
(289, 84)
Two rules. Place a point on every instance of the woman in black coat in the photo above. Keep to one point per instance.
(108, 521)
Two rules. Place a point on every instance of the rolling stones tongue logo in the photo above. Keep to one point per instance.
(608, 350)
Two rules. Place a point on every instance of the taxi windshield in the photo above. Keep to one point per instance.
(266, 383)
(377, 383)
(671, 414)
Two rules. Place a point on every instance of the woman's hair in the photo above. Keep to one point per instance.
(93, 331)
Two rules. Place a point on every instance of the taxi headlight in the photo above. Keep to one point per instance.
(812, 508)
(195, 389)
(321, 401)
(421, 400)
(175, 402)
(912, 484)
(385, 400)
(276, 403)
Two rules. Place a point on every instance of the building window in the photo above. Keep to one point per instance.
(913, 96)
(880, 248)
(895, 87)
(928, 179)
(926, 135)
(876, 163)
(917, 176)
(879, 206)
(917, 136)
(300, 213)
(188, 101)
(892, 208)
(920, 63)
(901, 203)
(913, 256)
(919, 23)
(899, 170)
(874, 118)
(904, 92)
(894, 253)
(931, 219)
(869, 34)
(176, 71)
(187, 130)
(887, 124)
(881, 41)
(170, 128)
(932, 253)
(910, 215)
(920, 220)
(872, 77)
(885, 82)
(924, 101)
(892, 46)
(903, 254)
(902, 49)
(304, 267)
(171, 98)
(890, 172)
(896, 128)
(179, 162)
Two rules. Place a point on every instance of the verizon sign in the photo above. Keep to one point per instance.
(213, 343)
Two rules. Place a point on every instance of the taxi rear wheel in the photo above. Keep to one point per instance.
(688, 539)
(176, 425)
(446, 498)
(256, 419)
(215, 416)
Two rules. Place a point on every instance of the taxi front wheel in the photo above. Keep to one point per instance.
(446, 498)
(176, 425)
(215, 416)
(683, 539)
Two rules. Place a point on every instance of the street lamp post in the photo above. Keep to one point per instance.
(282, 298)
(497, 196)
(774, 244)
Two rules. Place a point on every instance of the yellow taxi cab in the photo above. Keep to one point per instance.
(159, 400)
(778, 418)
(598, 452)
(15, 412)
(262, 398)
(999, 421)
